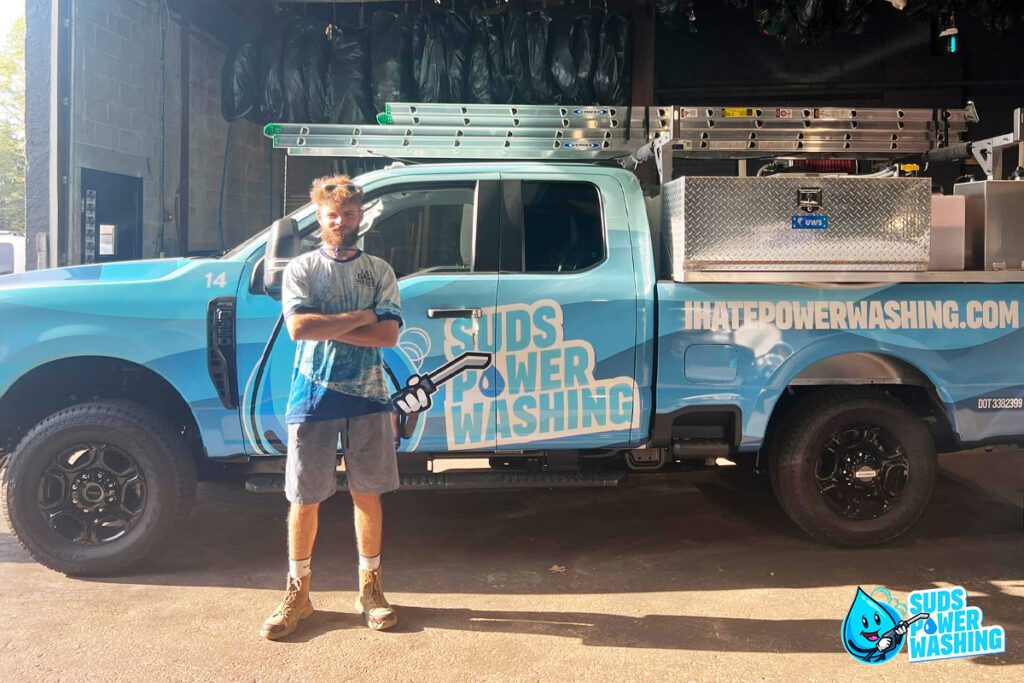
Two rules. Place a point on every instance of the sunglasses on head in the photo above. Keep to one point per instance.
(354, 189)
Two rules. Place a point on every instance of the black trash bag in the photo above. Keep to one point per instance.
(563, 65)
(272, 106)
(677, 14)
(668, 12)
(998, 15)
(517, 57)
(240, 87)
(348, 92)
(611, 75)
(538, 28)
(583, 43)
(852, 15)
(814, 20)
(413, 26)
(385, 59)
(297, 35)
(811, 18)
(810, 21)
(776, 18)
(315, 63)
(502, 87)
(432, 80)
(417, 37)
(458, 36)
(479, 86)
(625, 52)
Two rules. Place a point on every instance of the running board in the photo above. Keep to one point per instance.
(461, 481)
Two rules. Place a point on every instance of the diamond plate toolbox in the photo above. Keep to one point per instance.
(780, 223)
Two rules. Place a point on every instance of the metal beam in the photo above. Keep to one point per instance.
(643, 53)
(186, 28)
(62, 245)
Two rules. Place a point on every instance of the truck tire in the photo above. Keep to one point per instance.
(852, 467)
(95, 487)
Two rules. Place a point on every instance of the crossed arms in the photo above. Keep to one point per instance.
(358, 328)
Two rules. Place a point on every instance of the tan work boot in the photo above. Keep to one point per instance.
(295, 607)
(375, 608)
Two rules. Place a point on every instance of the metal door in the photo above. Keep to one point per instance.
(111, 217)
(566, 315)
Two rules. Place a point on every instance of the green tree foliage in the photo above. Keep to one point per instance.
(12, 128)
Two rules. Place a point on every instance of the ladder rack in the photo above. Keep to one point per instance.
(628, 134)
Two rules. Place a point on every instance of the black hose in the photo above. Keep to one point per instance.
(961, 150)
(223, 182)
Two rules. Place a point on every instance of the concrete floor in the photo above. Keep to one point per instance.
(698, 580)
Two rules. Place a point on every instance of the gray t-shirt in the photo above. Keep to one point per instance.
(333, 379)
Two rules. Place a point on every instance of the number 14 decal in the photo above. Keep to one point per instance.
(220, 281)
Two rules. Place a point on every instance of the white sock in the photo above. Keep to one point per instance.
(299, 568)
(369, 563)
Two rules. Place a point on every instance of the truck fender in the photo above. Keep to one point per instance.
(810, 366)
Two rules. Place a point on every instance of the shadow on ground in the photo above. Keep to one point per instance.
(606, 630)
(711, 533)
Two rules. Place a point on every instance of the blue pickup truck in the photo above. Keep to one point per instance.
(557, 347)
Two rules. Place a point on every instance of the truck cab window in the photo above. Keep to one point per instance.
(562, 228)
(421, 230)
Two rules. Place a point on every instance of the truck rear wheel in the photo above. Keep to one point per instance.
(853, 468)
(95, 487)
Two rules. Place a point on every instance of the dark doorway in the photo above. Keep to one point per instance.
(111, 217)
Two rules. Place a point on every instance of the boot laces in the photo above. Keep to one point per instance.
(292, 596)
(375, 591)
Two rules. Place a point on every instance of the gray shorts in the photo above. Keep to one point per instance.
(368, 442)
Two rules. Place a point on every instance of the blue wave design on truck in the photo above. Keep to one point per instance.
(962, 337)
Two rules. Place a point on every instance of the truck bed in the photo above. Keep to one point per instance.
(825, 277)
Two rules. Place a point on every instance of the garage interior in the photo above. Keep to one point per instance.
(160, 104)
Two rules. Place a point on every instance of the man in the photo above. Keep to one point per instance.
(341, 306)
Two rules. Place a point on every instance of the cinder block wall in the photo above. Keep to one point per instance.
(119, 81)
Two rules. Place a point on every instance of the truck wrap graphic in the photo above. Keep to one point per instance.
(951, 333)
(891, 314)
(541, 386)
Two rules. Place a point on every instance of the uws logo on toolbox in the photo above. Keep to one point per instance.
(541, 386)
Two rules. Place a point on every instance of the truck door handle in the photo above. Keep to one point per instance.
(454, 313)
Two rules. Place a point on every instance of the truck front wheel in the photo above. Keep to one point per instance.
(852, 468)
(95, 487)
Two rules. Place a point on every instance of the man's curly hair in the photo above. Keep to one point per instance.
(335, 190)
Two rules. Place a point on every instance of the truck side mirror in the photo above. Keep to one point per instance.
(282, 247)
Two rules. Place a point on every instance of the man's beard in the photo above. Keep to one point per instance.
(349, 239)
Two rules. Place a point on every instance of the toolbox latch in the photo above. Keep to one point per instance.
(809, 198)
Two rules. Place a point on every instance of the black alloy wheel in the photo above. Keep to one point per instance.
(852, 467)
(92, 493)
(96, 487)
(862, 471)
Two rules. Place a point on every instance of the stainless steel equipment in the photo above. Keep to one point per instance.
(995, 224)
(948, 229)
(988, 152)
(796, 224)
